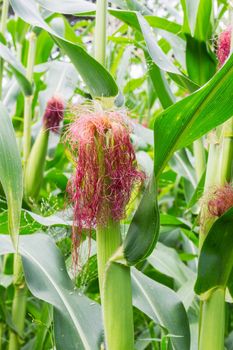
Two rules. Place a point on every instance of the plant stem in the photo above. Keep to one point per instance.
(19, 303)
(115, 290)
(3, 24)
(108, 241)
(5, 8)
(226, 153)
(20, 292)
(28, 99)
(199, 154)
(213, 321)
(1, 334)
(100, 31)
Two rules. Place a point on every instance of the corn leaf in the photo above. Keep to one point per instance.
(10, 172)
(216, 258)
(77, 319)
(17, 69)
(97, 78)
(163, 306)
(143, 231)
(189, 119)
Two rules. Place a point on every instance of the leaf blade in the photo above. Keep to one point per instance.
(97, 78)
(11, 176)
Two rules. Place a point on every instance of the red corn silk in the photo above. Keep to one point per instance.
(106, 168)
(54, 114)
(221, 201)
(224, 46)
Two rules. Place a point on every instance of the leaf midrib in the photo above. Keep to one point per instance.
(63, 299)
(183, 130)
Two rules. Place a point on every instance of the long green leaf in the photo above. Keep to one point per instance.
(162, 305)
(189, 119)
(167, 261)
(17, 69)
(67, 6)
(157, 54)
(201, 63)
(130, 18)
(216, 258)
(199, 15)
(72, 7)
(160, 83)
(77, 319)
(159, 57)
(144, 228)
(97, 78)
(10, 172)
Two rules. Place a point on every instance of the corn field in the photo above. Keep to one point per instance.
(116, 175)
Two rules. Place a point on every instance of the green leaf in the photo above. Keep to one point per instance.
(162, 305)
(169, 220)
(77, 318)
(199, 13)
(160, 58)
(143, 231)
(67, 6)
(201, 63)
(203, 20)
(17, 69)
(167, 261)
(189, 119)
(181, 164)
(130, 18)
(97, 78)
(198, 192)
(160, 84)
(10, 172)
(157, 54)
(216, 257)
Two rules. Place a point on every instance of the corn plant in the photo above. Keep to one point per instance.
(116, 154)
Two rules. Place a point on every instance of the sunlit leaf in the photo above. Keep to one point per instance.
(98, 80)
(10, 172)
(189, 119)
(17, 69)
(163, 306)
(77, 319)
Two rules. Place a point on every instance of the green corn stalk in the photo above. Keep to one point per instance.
(199, 155)
(115, 289)
(20, 289)
(212, 310)
(114, 278)
(212, 315)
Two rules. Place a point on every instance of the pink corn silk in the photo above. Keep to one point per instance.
(224, 46)
(106, 168)
(221, 201)
(54, 114)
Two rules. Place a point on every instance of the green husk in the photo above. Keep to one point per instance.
(34, 171)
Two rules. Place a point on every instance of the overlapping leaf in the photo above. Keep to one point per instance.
(77, 318)
(17, 69)
(144, 228)
(189, 119)
(216, 258)
(10, 172)
(97, 78)
(162, 305)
